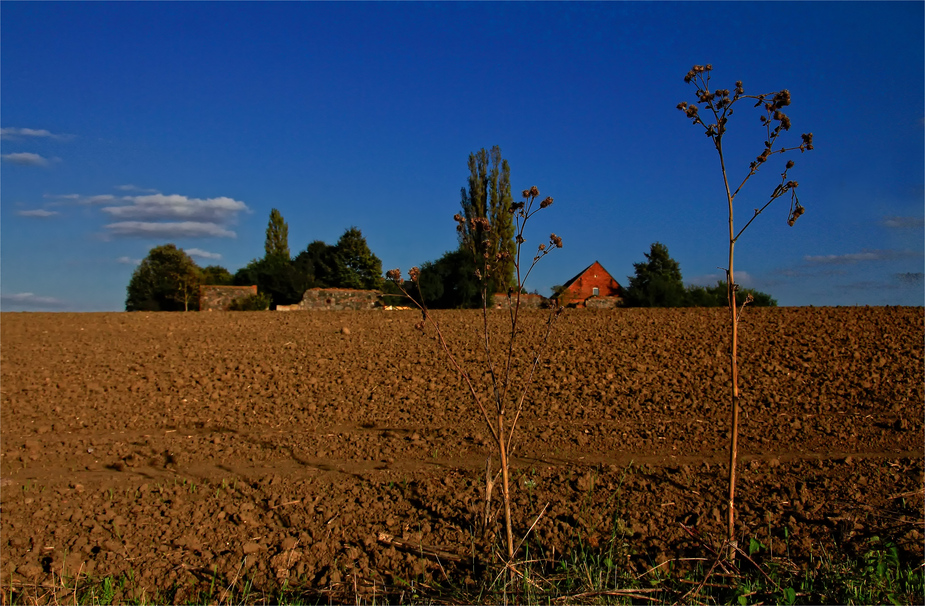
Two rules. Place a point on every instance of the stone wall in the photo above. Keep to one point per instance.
(603, 302)
(500, 301)
(335, 299)
(218, 298)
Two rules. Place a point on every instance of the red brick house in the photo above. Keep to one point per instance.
(592, 287)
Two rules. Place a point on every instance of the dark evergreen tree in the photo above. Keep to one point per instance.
(657, 282)
(488, 196)
(166, 280)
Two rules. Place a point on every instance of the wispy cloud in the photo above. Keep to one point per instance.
(910, 278)
(742, 278)
(101, 199)
(12, 133)
(79, 199)
(202, 254)
(28, 299)
(128, 261)
(864, 255)
(181, 229)
(39, 212)
(25, 159)
(903, 222)
(130, 187)
(160, 207)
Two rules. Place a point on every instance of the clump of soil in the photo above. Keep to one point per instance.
(339, 449)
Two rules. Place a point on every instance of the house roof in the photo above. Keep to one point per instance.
(583, 272)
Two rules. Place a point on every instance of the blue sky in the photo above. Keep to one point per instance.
(130, 125)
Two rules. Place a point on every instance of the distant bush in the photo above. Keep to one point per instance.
(251, 303)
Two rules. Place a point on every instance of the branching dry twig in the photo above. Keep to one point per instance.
(501, 419)
(719, 104)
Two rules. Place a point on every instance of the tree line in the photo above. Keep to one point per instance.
(657, 282)
(169, 280)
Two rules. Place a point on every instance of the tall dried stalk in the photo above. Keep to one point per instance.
(720, 104)
(505, 404)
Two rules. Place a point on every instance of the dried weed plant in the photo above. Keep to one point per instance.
(503, 406)
(718, 105)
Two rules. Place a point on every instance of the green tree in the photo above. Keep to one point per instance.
(216, 274)
(488, 196)
(355, 265)
(450, 282)
(316, 264)
(166, 280)
(277, 244)
(657, 282)
(275, 277)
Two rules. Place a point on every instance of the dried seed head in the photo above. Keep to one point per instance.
(555, 240)
(789, 164)
(534, 191)
(546, 202)
(414, 273)
(782, 99)
(795, 214)
(526, 193)
(394, 275)
(807, 141)
(520, 239)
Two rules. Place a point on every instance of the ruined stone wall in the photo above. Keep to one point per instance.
(603, 302)
(218, 298)
(335, 299)
(500, 301)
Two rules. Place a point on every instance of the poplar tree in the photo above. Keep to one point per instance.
(488, 196)
(277, 244)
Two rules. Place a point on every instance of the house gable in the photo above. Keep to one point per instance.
(592, 287)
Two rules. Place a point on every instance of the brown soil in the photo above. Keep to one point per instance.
(281, 446)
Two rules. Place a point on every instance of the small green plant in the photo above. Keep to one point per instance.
(718, 105)
(504, 404)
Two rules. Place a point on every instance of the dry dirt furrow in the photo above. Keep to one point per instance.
(279, 446)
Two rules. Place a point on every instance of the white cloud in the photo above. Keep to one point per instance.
(16, 133)
(202, 254)
(63, 196)
(181, 229)
(25, 159)
(903, 222)
(28, 299)
(36, 213)
(160, 206)
(128, 261)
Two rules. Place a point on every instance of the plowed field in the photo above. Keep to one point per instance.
(339, 449)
